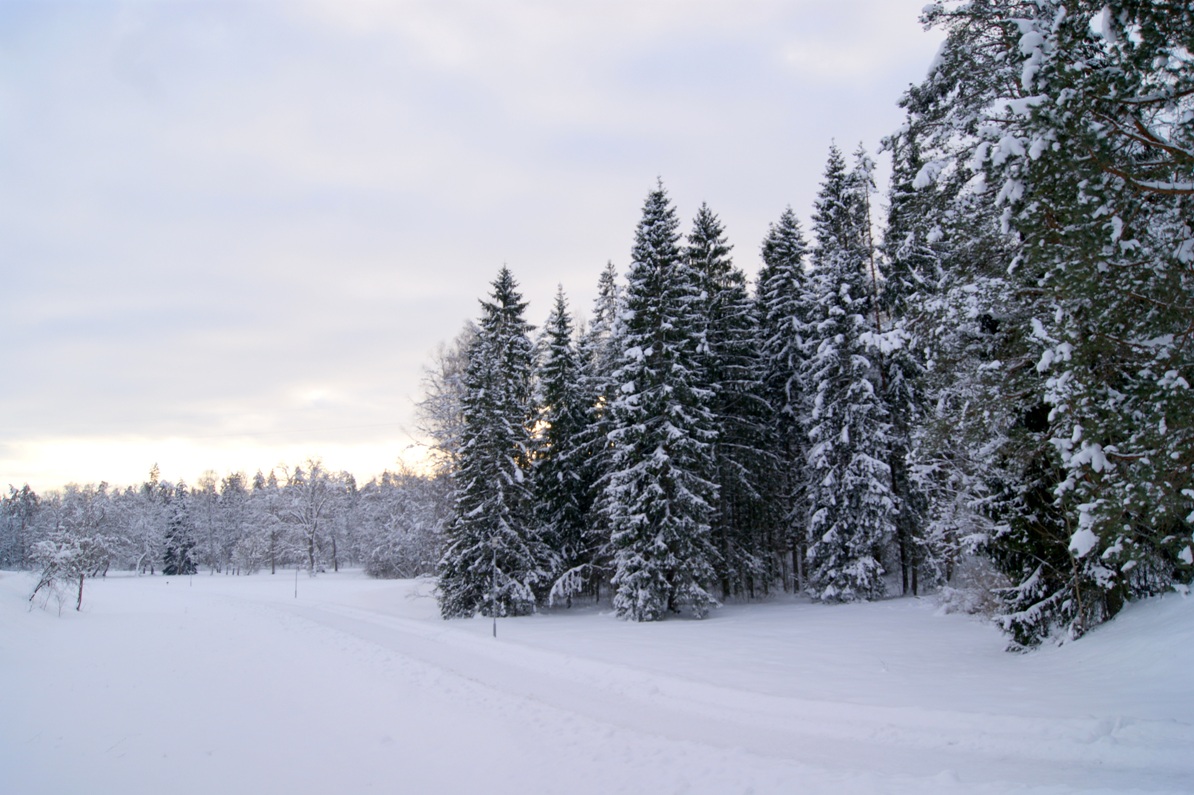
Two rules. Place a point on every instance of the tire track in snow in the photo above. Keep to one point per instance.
(953, 748)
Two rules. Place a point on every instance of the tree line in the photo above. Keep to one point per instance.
(302, 516)
(995, 368)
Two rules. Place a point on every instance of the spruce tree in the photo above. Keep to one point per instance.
(851, 504)
(562, 495)
(597, 340)
(597, 362)
(18, 512)
(494, 558)
(179, 557)
(659, 494)
(732, 371)
(911, 279)
(784, 305)
(979, 451)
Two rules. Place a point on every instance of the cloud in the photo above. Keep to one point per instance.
(211, 210)
(845, 43)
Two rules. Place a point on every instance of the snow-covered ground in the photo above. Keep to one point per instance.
(233, 685)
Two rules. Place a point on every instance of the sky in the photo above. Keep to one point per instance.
(232, 234)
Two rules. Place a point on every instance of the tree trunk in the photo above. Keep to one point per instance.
(903, 544)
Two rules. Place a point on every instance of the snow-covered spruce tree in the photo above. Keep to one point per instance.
(732, 371)
(596, 361)
(899, 380)
(1093, 154)
(852, 509)
(911, 275)
(562, 493)
(597, 340)
(979, 452)
(494, 559)
(18, 511)
(179, 556)
(659, 493)
(785, 306)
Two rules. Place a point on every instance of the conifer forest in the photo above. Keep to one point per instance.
(976, 383)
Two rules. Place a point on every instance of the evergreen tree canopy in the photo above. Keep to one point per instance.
(494, 558)
(731, 362)
(562, 492)
(850, 500)
(659, 494)
(785, 306)
(597, 363)
(1092, 153)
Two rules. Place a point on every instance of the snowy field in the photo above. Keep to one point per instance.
(234, 685)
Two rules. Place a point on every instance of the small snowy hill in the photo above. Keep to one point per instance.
(234, 685)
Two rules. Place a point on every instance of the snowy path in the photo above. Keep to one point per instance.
(232, 684)
(1088, 753)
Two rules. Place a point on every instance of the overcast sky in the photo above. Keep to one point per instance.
(233, 233)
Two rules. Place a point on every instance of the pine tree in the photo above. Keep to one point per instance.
(785, 306)
(1057, 402)
(659, 495)
(494, 559)
(732, 370)
(851, 503)
(1093, 156)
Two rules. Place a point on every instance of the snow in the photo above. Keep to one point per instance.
(234, 685)
(1084, 539)
(1107, 26)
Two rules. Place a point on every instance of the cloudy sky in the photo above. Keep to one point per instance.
(233, 233)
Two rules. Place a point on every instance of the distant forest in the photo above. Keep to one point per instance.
(978, 384)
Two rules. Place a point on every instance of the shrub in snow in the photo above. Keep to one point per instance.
(66, 559)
